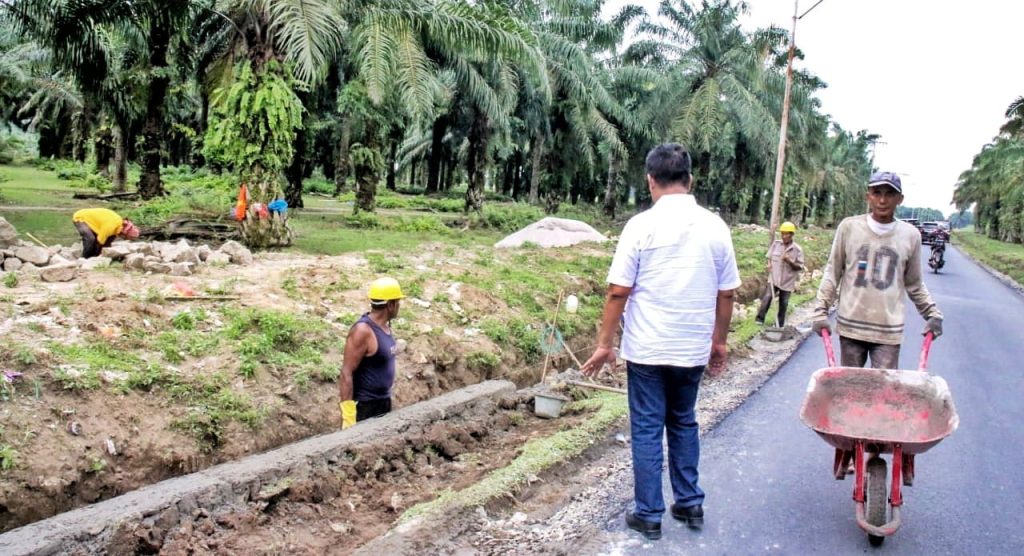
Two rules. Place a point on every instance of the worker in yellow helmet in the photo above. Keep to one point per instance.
(368, 371)
(785, 262)
(98, 228)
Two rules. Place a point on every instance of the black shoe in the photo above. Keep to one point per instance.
(692, 516)
(759, 322)
(649, 529)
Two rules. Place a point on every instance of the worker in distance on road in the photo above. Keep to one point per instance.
(368, 371)
(99, 227)
(785, 262)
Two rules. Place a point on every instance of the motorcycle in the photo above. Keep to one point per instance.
(937, 260)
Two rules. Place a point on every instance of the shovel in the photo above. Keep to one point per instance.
(775, 333)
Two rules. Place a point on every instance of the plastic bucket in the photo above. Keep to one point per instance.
(548, 406)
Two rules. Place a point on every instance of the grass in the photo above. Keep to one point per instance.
(1007, 258)
(277, 340)
(536, 456)
(334, 234)
(8, 457)
(31, 186)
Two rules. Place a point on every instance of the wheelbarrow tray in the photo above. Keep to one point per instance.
(882, 407)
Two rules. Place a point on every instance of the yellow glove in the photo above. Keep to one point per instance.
(348, 413)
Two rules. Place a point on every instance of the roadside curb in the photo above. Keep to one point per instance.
(1006, 280)
(112, 526)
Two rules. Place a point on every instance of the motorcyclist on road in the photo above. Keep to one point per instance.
(937, 259)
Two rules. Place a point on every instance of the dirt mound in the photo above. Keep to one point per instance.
(553, 232)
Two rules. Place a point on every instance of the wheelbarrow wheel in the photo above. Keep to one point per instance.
(876, 501)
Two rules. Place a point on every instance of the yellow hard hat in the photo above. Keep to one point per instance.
(385, 289)
(787, 227)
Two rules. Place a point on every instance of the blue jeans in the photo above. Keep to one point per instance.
(661, 402)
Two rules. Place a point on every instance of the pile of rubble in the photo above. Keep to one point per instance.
(61, 264)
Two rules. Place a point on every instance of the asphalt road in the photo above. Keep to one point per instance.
(768, 477)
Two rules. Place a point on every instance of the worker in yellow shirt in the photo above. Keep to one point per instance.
(98, 228)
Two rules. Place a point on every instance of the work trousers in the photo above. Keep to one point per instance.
(372, 408)
(766, 303)
(854, 353)
(90, 246)
(662, 399)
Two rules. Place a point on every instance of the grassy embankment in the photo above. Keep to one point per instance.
(522, 285)
(1007, 258)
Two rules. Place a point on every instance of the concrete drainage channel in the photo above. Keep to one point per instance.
(422, 446)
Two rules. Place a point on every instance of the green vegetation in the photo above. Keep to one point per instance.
(993, 187)
(8, 457)
(483, 362)
(536, 456)
(1007, 258)
(461, 106)
(211, 405)
(11, 280)
(277, 340)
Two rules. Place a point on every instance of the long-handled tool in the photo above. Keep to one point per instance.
(774, 333)
(543, 338)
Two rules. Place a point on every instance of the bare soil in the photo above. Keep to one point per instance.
(60, 436)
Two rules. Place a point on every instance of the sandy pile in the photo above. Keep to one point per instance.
(553, 232)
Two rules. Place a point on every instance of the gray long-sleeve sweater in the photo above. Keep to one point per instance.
(869, 274)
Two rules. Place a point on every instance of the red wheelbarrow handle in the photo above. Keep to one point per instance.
(926, 347)
(830, 354)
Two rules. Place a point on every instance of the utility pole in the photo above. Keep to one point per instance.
(780, 161)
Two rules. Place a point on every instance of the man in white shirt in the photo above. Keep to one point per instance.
(673, 277)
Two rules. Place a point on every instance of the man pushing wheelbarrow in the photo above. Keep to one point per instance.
(863, 413)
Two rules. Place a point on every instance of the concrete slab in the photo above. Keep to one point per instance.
(97, 528)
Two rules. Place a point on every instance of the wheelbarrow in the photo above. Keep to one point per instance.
(875, 411)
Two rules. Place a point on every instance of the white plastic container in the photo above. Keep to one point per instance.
(571, 304)
(548, 406)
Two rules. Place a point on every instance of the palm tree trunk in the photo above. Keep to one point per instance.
(82, 130)
(537, 158)
(392, 163)
(150, 184)
(612, 185)
(296, 170)
(341, 167)
(476, 164)
(120, 178)
(436, 153)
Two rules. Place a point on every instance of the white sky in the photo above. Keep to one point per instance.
(932, 78)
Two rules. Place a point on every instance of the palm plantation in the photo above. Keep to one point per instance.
(544, 102)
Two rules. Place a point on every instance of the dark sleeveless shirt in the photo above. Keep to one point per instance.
(373, 378)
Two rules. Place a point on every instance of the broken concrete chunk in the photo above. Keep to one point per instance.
(218, 258)
(8, 235)
(33, 254)
(239, 253)
(134, 261)
(58, 273)
(203, 251)
(158, 267)
(12, 264)
(180, 269)
(117, 252)
(59, 260)
(96, 262)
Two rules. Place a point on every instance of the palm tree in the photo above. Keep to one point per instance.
(74, 32)
(715, 72)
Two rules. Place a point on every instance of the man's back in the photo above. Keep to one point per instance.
(676, 257)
